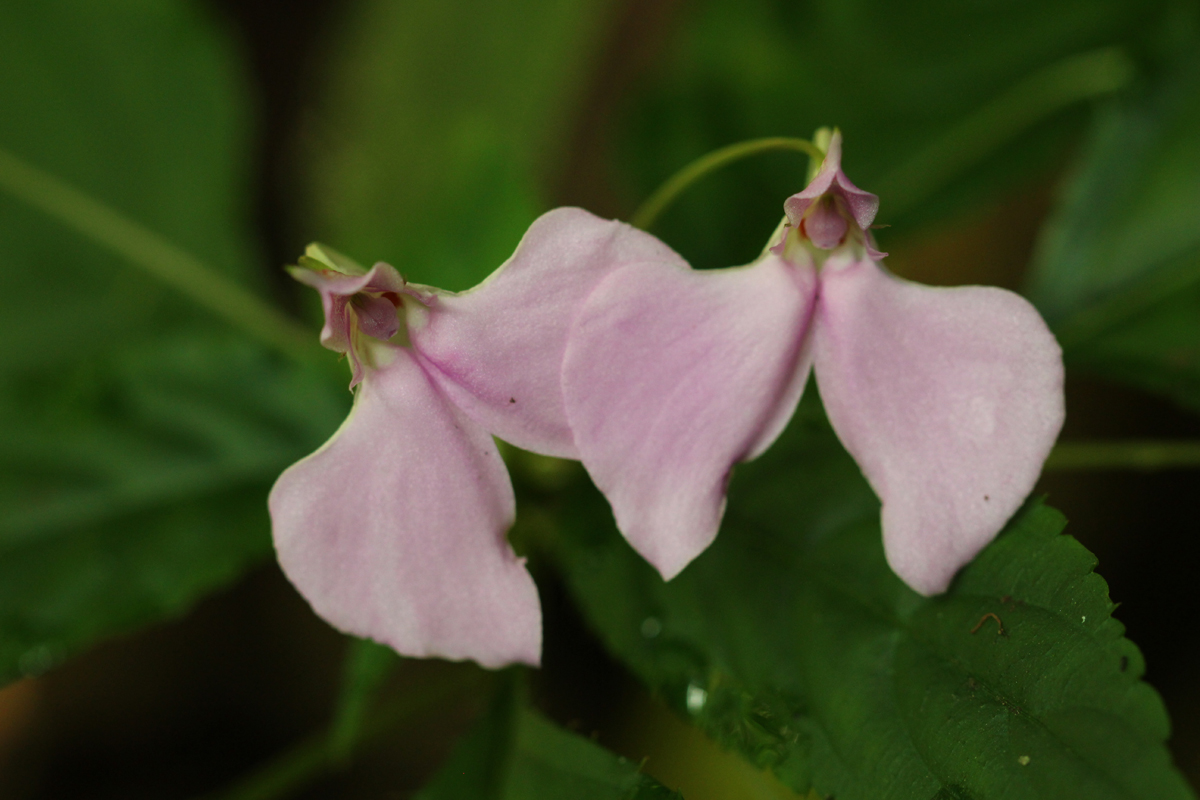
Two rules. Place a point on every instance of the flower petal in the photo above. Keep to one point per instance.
(395, 529)
(376, 316)
(670, 378)
(825, 226)
(863, 206)
(949, 399)
(382, 277)
(497, 349)
(336, 289)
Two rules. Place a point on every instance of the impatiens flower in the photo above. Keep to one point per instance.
(395, 529)
(949, 399)
(596, 342)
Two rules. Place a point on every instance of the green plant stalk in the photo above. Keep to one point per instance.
(366, 667)
(1144, 455)
(313, 756)
(1081, 77)
(649, 212)
(153, 253)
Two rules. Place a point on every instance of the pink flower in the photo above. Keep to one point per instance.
(395, 529)
(949, 399)
(596, 342)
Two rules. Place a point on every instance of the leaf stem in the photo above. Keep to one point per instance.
(1144, 455)
(1080, 77)
(154, 254)
(649, 212)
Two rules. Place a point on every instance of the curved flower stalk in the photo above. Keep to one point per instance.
(395, 529)
(949, 399)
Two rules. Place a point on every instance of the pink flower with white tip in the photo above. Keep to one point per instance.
(949, 399)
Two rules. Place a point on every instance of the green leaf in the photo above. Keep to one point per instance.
(139, 104)
(445, 122)
(514, 753)
(138, 435)
(791, 641)
(1117, 272)
(134, 484)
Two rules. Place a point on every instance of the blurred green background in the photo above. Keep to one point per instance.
(1051, 147)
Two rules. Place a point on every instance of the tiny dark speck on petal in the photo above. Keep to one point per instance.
(512, 399)
(986, 498)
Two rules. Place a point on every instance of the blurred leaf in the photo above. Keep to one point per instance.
(441, 126)
(895, 77)
(138, 103)
(1117, 271)
(133, 484)
(137, 437)
(791, 641)
(515, 754)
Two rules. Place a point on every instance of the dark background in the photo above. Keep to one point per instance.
(185, 707)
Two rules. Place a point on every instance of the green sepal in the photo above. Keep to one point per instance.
(322, 257)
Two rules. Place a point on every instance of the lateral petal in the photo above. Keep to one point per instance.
(949, 399)
(670, 378)
(497, 349)
(395, 528)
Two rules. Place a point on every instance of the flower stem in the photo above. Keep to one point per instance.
(154, 254)
(1145, 455)
(649, 212)
(1080, 77)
